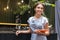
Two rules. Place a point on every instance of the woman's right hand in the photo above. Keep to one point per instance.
(17, 32)
(37, 31)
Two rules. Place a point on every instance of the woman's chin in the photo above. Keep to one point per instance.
(39, 13)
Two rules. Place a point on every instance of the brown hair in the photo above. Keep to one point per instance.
(36, 5)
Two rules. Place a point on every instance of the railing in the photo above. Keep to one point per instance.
(13, 24)
(11, 27)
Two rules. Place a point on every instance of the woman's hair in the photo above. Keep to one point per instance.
(36, 6)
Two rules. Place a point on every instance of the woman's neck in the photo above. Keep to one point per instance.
(37, 16)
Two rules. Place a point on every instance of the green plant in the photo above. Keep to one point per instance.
(21, 9)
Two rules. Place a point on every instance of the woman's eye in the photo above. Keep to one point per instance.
(39, 7)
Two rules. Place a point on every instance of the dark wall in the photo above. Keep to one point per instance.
(12, 36)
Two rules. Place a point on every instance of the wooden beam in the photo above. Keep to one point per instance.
(13, 24)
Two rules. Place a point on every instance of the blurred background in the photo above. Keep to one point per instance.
(12, 11)
(18, 12)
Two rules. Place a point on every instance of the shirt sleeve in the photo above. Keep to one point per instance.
(29, 20)
(46, 21)
(31, 24)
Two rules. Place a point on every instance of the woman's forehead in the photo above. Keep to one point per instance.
(39, 5)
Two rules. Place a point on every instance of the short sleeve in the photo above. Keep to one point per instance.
(31, 25)
(46, 21)
(29, 20)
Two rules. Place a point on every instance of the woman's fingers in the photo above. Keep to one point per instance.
(17, 32)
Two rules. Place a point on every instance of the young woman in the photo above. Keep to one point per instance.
(38, 24)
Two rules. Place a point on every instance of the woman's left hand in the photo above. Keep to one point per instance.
(43, 31)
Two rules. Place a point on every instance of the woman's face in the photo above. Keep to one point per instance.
(39, 9)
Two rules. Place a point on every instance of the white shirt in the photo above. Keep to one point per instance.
(37, 24)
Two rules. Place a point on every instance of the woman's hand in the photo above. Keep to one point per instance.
(42, 31)
(37, 31)
(17, 32)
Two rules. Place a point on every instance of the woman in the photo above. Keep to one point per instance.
(38, 24)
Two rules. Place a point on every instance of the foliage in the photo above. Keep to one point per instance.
(21, 9)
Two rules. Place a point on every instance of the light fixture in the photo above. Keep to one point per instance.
(18, 3)
(8, 4)
(22, 1)
(7, 7)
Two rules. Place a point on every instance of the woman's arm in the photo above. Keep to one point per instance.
(22, 31)
(44, 31)
(47, 28)
(25, 31)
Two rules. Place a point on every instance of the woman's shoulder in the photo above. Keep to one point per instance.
(43, 17)
(30, 19)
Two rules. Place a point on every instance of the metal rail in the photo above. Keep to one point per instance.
(12, 24)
